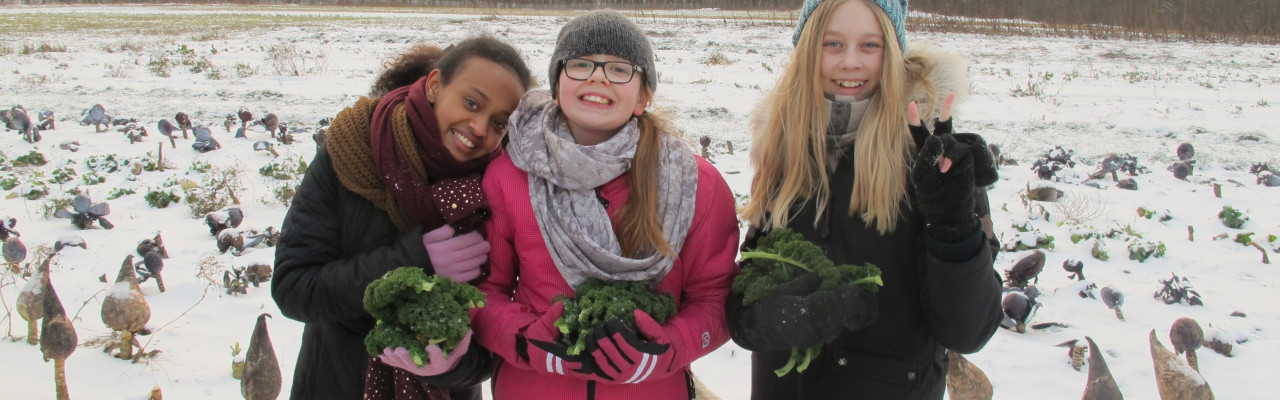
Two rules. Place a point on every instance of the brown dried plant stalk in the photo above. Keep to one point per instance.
(1075, 207)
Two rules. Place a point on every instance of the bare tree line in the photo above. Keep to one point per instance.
(500, 4)
(1217, 20)
(1213, 20)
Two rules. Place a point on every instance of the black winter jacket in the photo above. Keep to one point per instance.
(333, 243)
(926, 306)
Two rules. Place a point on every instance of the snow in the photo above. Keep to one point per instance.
(71, 240)
(119, 290)
(33, 287)
(1180, 366)
(1095, 97)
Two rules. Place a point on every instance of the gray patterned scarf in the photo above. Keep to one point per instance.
(563, 176)
(842, 125)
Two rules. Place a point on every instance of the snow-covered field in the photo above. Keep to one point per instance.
(1029, 95)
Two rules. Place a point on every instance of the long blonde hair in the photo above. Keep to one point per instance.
(640, 229)
(789, 148)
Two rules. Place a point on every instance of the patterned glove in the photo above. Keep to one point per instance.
(623, 357)
(456, 257)
(540, 347)
(438, 364)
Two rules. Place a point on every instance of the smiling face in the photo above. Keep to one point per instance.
(597, 108)
(473, 108)
(852, 51)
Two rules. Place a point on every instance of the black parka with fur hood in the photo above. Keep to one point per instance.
(926, 306)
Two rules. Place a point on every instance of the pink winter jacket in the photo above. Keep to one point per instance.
(524, 279)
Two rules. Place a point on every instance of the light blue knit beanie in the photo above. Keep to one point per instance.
(897, 10)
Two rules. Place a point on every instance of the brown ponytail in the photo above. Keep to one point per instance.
(640, 230)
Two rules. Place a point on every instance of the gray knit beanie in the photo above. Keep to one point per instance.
(603, 32)
(897, 10)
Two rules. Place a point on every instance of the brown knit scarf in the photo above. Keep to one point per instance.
(383, 150)
(389, 151)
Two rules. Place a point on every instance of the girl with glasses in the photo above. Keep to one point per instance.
(842, 156)
(615, 71)
(593, 185)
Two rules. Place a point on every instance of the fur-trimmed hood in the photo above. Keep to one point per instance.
(950, 73)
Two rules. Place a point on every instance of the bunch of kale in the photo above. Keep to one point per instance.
(415, 310)
(596, 302)
(783, 255)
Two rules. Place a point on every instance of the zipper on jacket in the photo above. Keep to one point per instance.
(688, 381)
(603, 201)
(591, 390)
(824, 226)
(493, 380)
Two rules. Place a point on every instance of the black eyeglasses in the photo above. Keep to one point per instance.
(615, 71)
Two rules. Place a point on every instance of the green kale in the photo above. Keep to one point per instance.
(1141, 251)
(783, 255)
(415, 310)
(596, 302)
(1232, 218)
(1245, 238)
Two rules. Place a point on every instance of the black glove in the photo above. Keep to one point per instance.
(920, 132)
(985, 171)
(553, 358)
(539, 345)
(847, 307)
(946, 199)
(797, 314)
(622, 356)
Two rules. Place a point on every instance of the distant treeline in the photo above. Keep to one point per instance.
(536, 4)
(1252, 20)
(1216, 20)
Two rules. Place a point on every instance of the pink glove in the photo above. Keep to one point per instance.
(624, 357)
(438, 364)
(544, 352)
(457, 258)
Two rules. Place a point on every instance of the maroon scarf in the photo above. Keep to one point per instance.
(442, 171)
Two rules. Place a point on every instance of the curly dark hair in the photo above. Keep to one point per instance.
(420, 59)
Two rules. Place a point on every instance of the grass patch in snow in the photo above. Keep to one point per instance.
(158, 24)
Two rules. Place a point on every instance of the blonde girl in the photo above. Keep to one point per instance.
(842, 155)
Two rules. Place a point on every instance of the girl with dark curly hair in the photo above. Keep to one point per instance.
(396, 184)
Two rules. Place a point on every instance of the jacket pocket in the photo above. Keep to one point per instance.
(887, 377)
